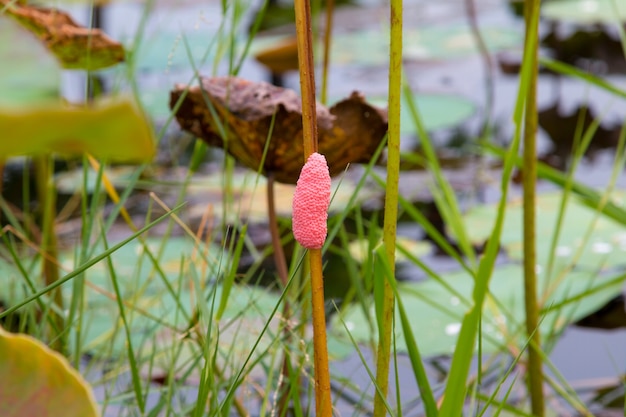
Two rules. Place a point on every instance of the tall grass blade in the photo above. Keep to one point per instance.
(455, 391)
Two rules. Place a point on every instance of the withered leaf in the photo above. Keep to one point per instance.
(76, 47)
(349, 132)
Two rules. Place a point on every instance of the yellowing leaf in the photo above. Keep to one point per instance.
(113, 131)
(75, 46)
(36, 381)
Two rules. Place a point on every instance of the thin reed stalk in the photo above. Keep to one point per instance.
(535, 371)
(391, 207)
(323, 402)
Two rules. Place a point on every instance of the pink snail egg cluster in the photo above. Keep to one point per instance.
(310, 203)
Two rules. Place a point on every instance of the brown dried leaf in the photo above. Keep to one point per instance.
(349, 132)
(76, 47)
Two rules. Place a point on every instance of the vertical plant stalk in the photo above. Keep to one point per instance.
(535, 371)
(46, 195)
(323, 404)
(310, 213)
(283, 274)
(391, 206)
(470, 7)
(330, 8)
(307, 76)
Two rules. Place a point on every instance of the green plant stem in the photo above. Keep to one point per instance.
(46, 193)
(328, 30)
(280, 263)
(323, 404)
(307, 76)
(535, 372)
(279, 255)
(391, 207)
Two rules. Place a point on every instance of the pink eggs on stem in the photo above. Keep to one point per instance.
(310, 203)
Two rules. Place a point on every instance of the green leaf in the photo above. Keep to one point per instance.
(110, 130)
(437, 313)
(585, 11)
(154, 314)
(438, 111)
(36, 381)
(28, 74)
(606, 247)
(371, 47)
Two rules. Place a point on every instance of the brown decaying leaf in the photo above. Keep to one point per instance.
(349, 132)
(76, 47)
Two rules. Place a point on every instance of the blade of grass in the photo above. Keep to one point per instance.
(379, 393)
(82, 268)
(385, 305)
(134, 368)
(452, 404)
(46, 192)
(419, 372)
(444, 195)
(535, 367)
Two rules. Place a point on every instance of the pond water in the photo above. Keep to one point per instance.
(581, 355)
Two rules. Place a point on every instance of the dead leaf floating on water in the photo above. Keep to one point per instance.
(76, 47)
(349, 132)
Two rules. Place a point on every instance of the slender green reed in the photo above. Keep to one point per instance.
(535, 368)
(385, 296)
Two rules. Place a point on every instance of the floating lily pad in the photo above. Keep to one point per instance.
(153, 312)
(371, 47)
(36, 381)
(163, 51)
(605, 247)
(358, 248)
(28, 74)
(438, 111)
(437, 313)
(585, 11)
(348, 132)
(156, 103)
(111, 130)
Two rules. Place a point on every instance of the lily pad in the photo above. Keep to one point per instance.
(437, 312)
(585, 11)
(165, 50)
(113, 130)
(604, 248)
(358, 248)
(371, 47)
(28, 74)
(36, 381)
(157, 308)
(438, 111)
(349, 132)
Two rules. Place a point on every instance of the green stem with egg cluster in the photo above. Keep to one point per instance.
(323, 404)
